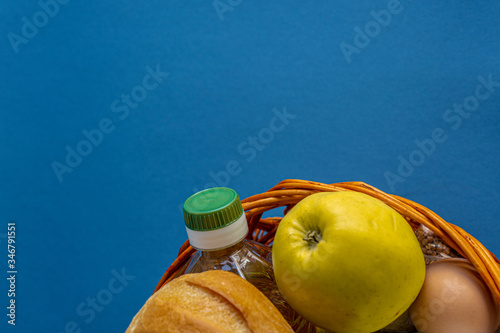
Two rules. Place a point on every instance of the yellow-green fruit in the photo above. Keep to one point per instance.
(347, 262)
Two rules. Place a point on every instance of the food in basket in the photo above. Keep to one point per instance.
(433, 247)
(455, 299)
(347, 262)
(290, 192)
(208, 302)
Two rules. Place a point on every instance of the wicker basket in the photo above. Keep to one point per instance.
(289, 192)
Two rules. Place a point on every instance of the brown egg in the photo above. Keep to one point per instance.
(454, 299)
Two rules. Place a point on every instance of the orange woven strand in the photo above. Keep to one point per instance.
(492, 273)
(168, 275)
(420, 211)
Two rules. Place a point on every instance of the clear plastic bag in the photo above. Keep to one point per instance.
(432, 246)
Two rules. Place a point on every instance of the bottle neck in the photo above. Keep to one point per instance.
(219, 253)
(219, 238)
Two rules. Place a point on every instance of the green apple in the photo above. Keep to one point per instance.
(347, 262)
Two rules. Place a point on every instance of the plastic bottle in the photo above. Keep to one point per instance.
(216, 226)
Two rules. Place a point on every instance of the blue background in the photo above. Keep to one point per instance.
(350, 117)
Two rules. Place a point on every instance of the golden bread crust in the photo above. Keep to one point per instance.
(209, 302)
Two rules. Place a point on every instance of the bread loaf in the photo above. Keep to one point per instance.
(209, 302)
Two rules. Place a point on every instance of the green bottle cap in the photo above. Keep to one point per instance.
(212, 209)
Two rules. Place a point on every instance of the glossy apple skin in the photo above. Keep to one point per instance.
(347, 262)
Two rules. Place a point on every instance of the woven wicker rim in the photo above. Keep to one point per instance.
(289, 192)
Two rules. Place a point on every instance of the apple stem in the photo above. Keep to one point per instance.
(312, 237)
